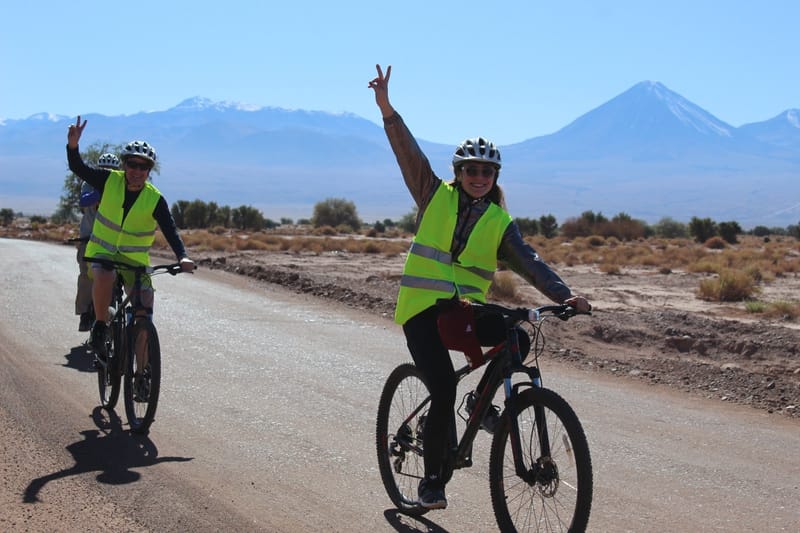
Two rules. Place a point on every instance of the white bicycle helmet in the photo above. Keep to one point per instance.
(139, 149)
(478, 149)
(108, 161)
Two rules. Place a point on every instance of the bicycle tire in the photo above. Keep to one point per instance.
(109, 376)
(140, 407)
(400, 460)
(560, 496)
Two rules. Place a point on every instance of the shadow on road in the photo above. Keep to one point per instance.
(110, 451)
(410, 524)
(80, 358)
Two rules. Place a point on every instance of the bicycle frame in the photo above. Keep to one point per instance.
(136, 352)
(504, 361)
(539, 440)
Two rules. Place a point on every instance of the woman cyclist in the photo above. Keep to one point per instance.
(124, 228)
(463, 230)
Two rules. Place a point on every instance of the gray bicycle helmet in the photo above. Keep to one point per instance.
(108, 161)
(478, 149)
(139, 149)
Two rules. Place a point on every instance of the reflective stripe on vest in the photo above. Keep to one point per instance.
(430, 273)
(131, 237)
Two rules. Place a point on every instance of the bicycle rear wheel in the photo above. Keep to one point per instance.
(109, 372)
(555, 491)
(402, 411)
(142, 376)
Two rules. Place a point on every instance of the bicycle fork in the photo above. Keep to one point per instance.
(525, 472)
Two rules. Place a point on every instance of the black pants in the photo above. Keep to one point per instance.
(433, 360)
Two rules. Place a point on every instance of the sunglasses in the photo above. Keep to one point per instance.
(137, 166)
(484, 170)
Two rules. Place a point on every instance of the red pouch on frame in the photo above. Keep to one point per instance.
(456, 324)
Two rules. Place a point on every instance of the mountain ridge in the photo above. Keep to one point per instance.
(648, 152)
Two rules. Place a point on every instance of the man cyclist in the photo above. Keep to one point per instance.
(124, 228)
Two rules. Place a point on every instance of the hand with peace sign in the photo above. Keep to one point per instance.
(381, 87)
(74, 133)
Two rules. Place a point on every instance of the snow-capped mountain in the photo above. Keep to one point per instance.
(649, 152)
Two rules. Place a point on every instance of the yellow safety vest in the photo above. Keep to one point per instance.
(430, 273)
(131, 237)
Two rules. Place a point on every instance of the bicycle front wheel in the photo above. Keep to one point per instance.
(109, 372)
(552, 491)
(142, 376)
(402, 412)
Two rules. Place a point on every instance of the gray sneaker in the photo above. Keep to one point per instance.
(431, 494)
(491, 420)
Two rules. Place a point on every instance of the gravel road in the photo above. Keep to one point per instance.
(267, 424)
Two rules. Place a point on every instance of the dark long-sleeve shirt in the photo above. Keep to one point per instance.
(518, 255)
(96, 177)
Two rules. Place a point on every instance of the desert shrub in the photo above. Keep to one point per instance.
(346, 228)
(503, 287)
(671, 229)
(372, 248)
(252, 244)
(729, 230)
(715, 243)
(247, 217)
(408, 222)
(336, 212)
(760, 231)
(702, 229)
(527, 226)
(611, 269)
(160, 241)
(221, 244)
(728, 286)
(583, 226)
(595, 240)
(6, 216)
(324, 230)
(548, 227)
(783, 309)
(754, 306)
(707, 265)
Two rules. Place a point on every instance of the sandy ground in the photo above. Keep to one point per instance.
(646, 325)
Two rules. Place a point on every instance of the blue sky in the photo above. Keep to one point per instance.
(507, 70)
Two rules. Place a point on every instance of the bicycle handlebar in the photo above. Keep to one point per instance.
(534, 314)
(171, 268)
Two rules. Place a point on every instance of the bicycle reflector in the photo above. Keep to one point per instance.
(456, 323)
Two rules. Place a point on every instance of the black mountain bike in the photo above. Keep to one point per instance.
(132, 350)
(540, 470)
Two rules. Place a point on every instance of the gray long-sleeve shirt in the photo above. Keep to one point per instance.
(514, 252)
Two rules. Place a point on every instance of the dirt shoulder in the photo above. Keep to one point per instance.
(646, 326)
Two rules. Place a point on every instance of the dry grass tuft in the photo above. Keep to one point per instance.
(728, 286)
(503, 287)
